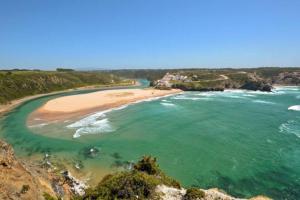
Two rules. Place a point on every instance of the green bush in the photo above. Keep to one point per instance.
(139, 183)
(25, 189)
(49, 197)
(193, 194)
(147, 164)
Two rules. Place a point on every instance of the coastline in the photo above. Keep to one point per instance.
(73, 106)
(5, 108)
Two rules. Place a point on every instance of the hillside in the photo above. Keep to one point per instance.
(270, 73)
(18, 84)
(216, 79)
(24, 180)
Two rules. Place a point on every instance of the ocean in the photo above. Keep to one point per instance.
(244, 142)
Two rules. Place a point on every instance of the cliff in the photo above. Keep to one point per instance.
(24, 180)
(213, 82)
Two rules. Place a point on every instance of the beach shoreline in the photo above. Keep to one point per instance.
(69, 107)
(5, 108)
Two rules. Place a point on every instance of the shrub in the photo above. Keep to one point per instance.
(147, 164)
(25, 189)
(193, 194)
(139, 183)
(125, 185)
(49, 197)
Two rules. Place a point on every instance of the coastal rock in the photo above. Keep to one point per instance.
(24, 180)
(257, 85)
(6, 155)
(287, 78)
(170, 193)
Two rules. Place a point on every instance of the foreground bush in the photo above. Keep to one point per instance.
(139, 183)
(193, 194)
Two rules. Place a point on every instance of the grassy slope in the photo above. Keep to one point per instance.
(18, 84)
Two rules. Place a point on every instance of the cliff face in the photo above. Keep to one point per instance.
(287, 78)
(214, 81)
(16, 181)
(22, 180)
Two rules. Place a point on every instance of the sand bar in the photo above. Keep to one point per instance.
(63, 108)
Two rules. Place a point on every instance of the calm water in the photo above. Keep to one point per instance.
(246, 143)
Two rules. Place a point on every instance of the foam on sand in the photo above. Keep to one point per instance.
(295, 108)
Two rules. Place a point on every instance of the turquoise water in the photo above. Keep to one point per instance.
(246, 143)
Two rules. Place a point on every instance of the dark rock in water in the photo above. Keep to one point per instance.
(257, 85)
(78, 165)
(116, 155)
(90, 152)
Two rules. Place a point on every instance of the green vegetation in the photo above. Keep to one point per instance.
(49, 197)
(64, 70)
(18, 84)
(216, 85)
(140, 183)
(193, 194)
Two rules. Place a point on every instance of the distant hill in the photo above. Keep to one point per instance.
(16, 84)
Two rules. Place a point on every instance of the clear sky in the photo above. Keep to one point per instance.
(47, 34)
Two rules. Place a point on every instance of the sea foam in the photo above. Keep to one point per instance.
(290, 127)
(98, 123)
(168, 104)
(262, 101)
(295, 108)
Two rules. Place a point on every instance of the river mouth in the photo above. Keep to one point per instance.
(245, 143)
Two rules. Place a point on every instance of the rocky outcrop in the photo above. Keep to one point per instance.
(287, 78)
(257, 85)
(170, 193)
(25, 180)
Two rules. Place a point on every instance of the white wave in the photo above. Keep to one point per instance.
(168, 104)
(183, 97)
(101, 126)
(38, 125)
(290, 127)
(295, 107)
(97, 123)
(262, 101)
(292, 88)
(121, 107)
(249, 95)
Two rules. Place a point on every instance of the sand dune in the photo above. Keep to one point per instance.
(77, 105)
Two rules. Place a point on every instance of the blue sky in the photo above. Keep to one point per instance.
(47, 34)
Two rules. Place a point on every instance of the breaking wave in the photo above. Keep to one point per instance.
(38, 125)
(168, 104)
(262, 101)
(100, 126)
(295, 108)
(98, 123)
(290, 127)
(95, 123)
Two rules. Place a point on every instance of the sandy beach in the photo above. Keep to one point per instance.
(77, 105)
